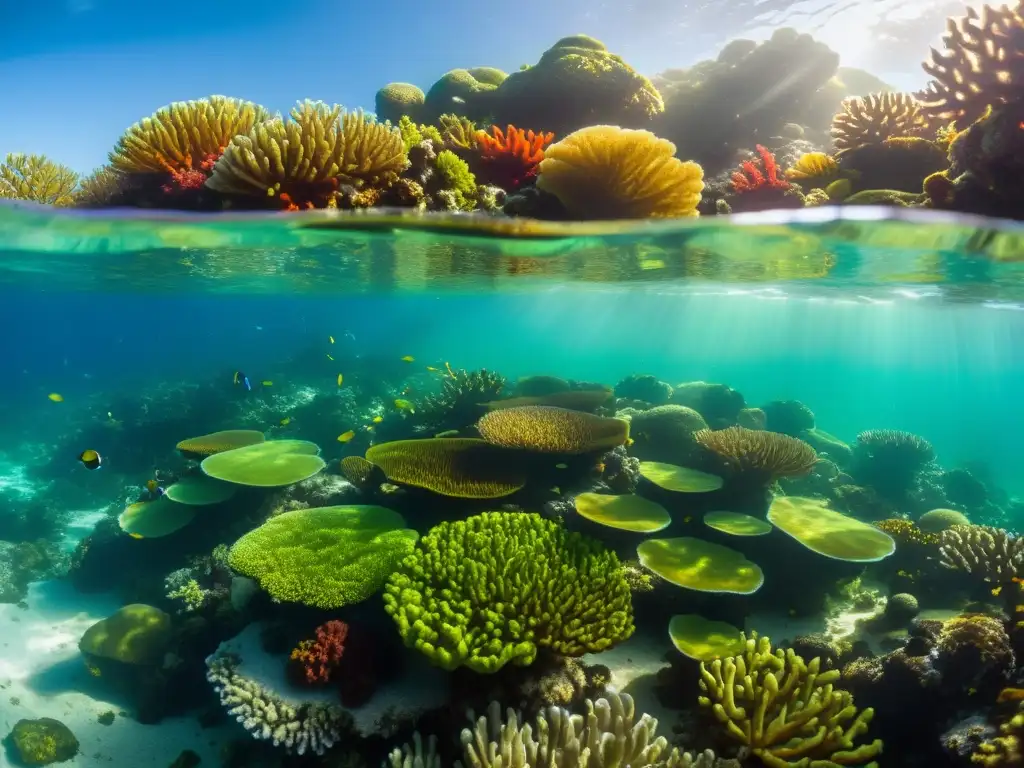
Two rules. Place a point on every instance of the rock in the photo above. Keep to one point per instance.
(42, 742)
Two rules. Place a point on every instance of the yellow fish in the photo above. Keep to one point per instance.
(405, 405)
(234, 379)
(330, 339)
(561, 466)
(340, 379)
(286, 421)
(55, 397)
(368, 427)
(135, 535)
(971, 691)
(557, 490)
(451, 373)
(344, 437)
(996, 591)
(378, 419)
(408, 359)
(1018, 609)
(432, 369)
(330, 358)
(267, 383)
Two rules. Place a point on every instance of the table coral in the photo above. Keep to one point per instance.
(494, 588)
(784, 710)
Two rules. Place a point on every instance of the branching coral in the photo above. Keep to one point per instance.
(458, 132)
(756, 185)
(509, 158)
(313, 661)
(302, 162)
(814, 169)
(312, 727)
(764, 456)
(494, 588)
(1006, 749)
(606, 172)
(608, 735)
(987, 553)
(184, 139)
(874, 118)
(38, 179)
(784, 710)
(982, 65)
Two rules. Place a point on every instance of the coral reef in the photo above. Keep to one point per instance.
(986, 553)
(37, 179)
(874, 118)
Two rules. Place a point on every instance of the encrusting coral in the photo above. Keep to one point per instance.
(493, 589)
(606, 172)
(38, 179)
(302, 162)
(874, 118)
(784, 710)
(312, 727)
(987, 553)
(982, 65)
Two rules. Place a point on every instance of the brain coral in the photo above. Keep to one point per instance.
(324, 557)
(396, 100)
(548, 429)
(606, 172)
(577, 82)
(491, 590)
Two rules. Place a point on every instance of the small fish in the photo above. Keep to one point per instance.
(369, 427)
(388, 487)
(405, 405)
(557, 490)
(330, 339)
(451, 373)
(971, 691)
(344, 437)
(286, 421)
(154, 489)
(600, 467)
(792, 611)
(688, 518)
(135, 535)
(330, 358)
(1010, 694)
(378, 419)
(996, 591)
(1018, 609)
(56, 397)
(340, 379)
(241, 378)
(110, 415)
(90, 459)
(267, 383)
(432, 369)
(561, 466)
(408, 359)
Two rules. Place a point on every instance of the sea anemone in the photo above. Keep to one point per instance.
(874, 118)
(606, 172)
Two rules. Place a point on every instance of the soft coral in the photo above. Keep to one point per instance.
(509, 158)
(757, 186)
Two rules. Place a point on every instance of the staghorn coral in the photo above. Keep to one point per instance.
(548, 429)
(397, 100)
(756, 185)
(762, 456)
(38, 179)
(982, 65)
(608, 735)
(987, 553)
(302, 162)
(606, 172)
(784, 710)
(509, 158)
(874, 118)
(493, 589)
(314, 661)
(185, 138)
(311, 727)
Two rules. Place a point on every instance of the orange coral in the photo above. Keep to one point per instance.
(510, 157)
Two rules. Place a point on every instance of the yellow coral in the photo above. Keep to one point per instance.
(35, 178)
(552, 430)
(606, 172)
(1005, 749)
(304, 160)
(874, 118)
(458, 132)
(785, 710)
(357, 470)
(182, 135)
(814, 169)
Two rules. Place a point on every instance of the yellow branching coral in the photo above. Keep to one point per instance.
(547, 429)
(982, 65)
(769, 455)
(303, 161)
(38, 179)
(874, 118)
(606, 172)
(99, 188)
(814, 169)
(1007, 748)
(458, 132)
(184, 135)
(785, 710)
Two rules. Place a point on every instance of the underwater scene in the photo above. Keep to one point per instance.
(599, 386)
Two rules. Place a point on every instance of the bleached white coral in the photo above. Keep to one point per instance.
(312, 727)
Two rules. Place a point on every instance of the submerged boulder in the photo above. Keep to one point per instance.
(42, 742)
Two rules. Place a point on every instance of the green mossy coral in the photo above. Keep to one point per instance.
(397, 100)
(42, 742)
(135, 634)
(37, 179)
(784, 710)
(458, 183)
(456, 91)
(413, 134)
(324, 557)
(493, 589)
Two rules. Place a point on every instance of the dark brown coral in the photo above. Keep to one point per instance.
(982, 65)
(874, 118)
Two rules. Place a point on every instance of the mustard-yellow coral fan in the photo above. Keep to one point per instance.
(183, 135)
(303, 161)
(874, 118)
(814, 169)
(607, 172)
(36, 178)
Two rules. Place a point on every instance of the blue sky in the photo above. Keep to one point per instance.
(76, 73)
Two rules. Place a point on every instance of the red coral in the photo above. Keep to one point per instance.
(313, 661)
(510, 157)
(754, 176)
(189, 177)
